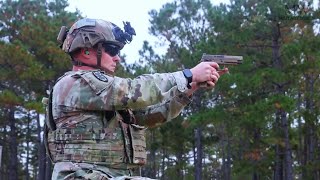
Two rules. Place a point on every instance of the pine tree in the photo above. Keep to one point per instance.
(30, 60)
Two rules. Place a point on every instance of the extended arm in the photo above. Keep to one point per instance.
(92, 90)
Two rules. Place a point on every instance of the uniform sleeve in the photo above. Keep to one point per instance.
(158, 114)
(96, 91)
(148, 90)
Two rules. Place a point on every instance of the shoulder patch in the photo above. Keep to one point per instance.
(100, 76)
(97, 81)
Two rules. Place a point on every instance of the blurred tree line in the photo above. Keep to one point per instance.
(260, 122)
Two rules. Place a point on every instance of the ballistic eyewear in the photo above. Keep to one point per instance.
(111, 49)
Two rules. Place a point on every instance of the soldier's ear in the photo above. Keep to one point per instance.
(85, 51)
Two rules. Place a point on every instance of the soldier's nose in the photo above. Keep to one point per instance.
(116, 58)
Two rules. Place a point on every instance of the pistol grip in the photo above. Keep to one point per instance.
(203, 85)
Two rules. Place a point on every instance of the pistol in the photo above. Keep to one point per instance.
(221, 60)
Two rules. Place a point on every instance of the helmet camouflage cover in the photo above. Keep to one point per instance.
(86, 33)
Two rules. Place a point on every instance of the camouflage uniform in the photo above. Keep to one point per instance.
(96, 122)
(101, 120)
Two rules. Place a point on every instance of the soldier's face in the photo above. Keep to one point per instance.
(108, 62)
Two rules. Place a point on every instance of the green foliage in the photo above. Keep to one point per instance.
(247, 102)
(30, 61)
(9, 98)
(34, 105)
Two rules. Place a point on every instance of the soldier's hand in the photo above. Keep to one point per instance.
(205, 72)
(215, 76)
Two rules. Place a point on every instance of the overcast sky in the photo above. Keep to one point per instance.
(117, 11)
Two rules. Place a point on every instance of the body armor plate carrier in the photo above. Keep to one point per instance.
(119, 144)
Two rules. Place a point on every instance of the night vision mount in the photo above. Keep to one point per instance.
(126, 36)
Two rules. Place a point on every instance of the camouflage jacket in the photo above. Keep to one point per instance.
(154, 98)
(100, 119)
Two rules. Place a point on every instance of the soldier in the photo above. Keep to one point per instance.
(95, 120)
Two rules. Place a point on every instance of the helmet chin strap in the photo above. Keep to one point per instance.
(99, 54)
(79, 63)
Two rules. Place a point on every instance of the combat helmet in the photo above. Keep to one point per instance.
(89, 33)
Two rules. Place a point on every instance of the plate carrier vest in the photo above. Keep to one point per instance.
(120, 145)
